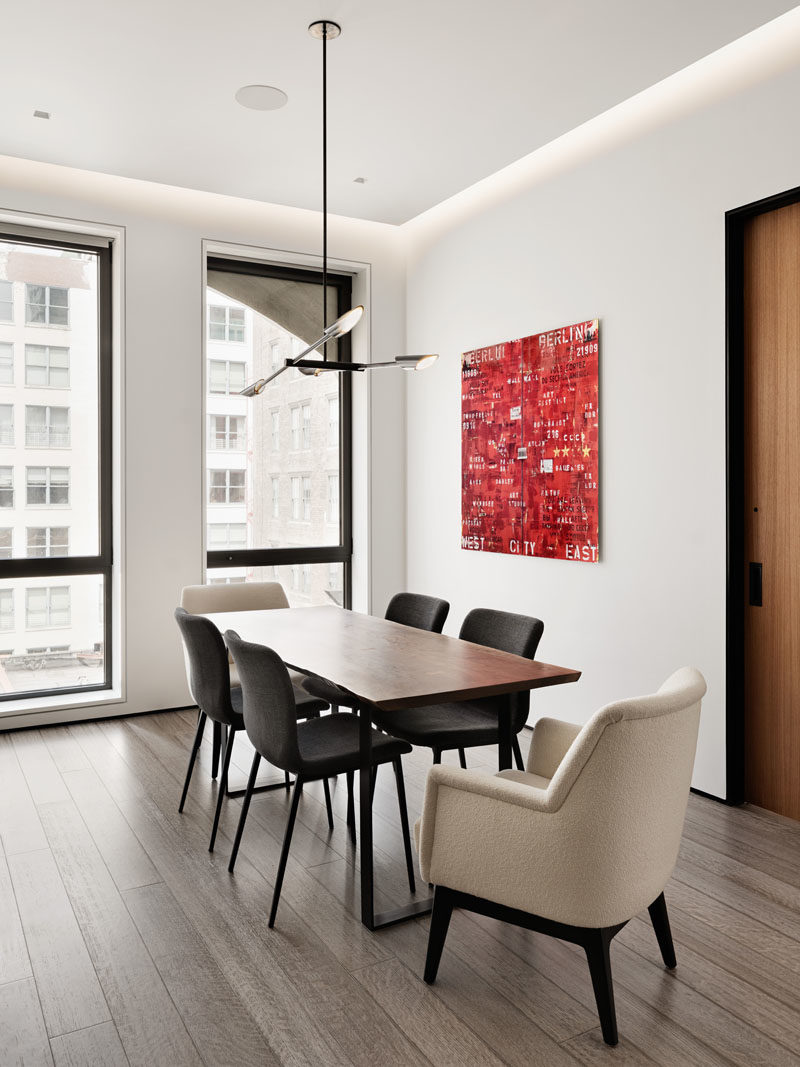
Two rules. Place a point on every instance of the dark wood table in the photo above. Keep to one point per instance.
(393, 667)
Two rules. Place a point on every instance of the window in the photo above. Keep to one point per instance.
(46, 305)
(306, 426)
(333, 421)
(6, 609)
(307, 499)
(6, 362)
(47, 365)
(296, 500)
(6, 301)
(276, 507)
(227, 431)
(47, 607)
(223, 535)
(6, 487)
(274, 355)
(6, 536)
(48, 485)
(47, 541)
(301, 578)
(6, 424)
(227, 581)
(295, 428)
(226, 487)
(46, 427)
(332, 511)
(226, 324)
(276, 430)
(225, 377)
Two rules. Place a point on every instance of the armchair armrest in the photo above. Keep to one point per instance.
(552, 739)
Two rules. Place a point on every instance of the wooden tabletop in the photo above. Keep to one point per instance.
(384, 663)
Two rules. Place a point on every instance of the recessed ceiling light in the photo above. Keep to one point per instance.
(41, 114)
(261, 97)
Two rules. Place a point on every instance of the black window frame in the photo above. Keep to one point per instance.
(102, 563)
(343, 551)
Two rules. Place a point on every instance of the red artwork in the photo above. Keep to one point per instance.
(529, 445)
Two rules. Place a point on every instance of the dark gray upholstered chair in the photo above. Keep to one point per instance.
(474, 722)
(217, 700)
(312, 750)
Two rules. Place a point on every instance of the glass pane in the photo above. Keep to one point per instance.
(305, 584)
(6, 301)
(60, 289)
(54, 631)
(6, 359)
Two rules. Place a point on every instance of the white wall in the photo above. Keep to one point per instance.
(163, 398)
(636, 237)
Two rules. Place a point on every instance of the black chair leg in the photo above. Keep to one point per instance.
(288, 781)
(401, 800)
(328, 807)
(215, 747)
(223, 784)
(251, 781)
(351, 811)
(287, 840)
(198, 737)
(440, 921)
(437, 755)
(517, 754)
(660, 921)
(373, 780)
(462, 758)
(596, 947)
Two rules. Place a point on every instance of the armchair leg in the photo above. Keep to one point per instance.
(462, 758)
(215, 747)
(251, 781)
(198, 737)
(287, 840)
(401, 800)
(517, 754)
(328, 807)
(437, 755)
(222, 789)
(351, 811)
(660, 921)
(440, 921)
(596, 946)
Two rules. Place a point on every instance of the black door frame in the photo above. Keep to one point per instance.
(735, 224)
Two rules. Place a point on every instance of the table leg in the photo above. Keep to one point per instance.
(504, 735)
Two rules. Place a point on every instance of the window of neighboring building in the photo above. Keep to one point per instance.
(46, 427)
(276, 505)
(223, 535)
(296, 499)
(47, 365)
(46, 305)
(6, 363)
(306, 426)
(47, 541)
(6, 542)
(333, 421)
(227, 431)
(6, 487)
(332, 511)
(6, 424)
(6, 609)
(47, 607)
(274, 355)
(276, 431)
(226, 487)
(225, 377)
(296, 428)
(6, 301)
(226, 323)
(47, 485)
(307, 499)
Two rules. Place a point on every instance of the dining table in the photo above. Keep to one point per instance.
(390, 666)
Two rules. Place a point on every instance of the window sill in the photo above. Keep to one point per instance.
(40, 711)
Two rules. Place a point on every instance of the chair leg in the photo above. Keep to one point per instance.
(334, 709)
(660, 921)
(440, 921)
(517, 754)
(462, 758)
(437, 755)
(251, 781)
(198, 737)
(351, 810)
(287, 840)
(373, 780)
(215, 747)
(328, 807)
(401, 800)
(596, 947)
(223, 784)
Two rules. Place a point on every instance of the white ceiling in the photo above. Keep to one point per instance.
(425, 96)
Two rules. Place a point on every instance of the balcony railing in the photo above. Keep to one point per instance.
(47, 438)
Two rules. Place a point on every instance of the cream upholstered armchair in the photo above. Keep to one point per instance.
(581, 841)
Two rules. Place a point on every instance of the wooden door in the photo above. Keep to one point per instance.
(771, 310)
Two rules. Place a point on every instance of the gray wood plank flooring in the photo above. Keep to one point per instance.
(124, 941)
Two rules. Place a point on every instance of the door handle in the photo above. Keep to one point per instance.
(755, 585)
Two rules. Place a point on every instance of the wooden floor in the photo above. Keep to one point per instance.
(123, 941)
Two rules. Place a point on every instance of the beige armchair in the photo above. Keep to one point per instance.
(581, 841)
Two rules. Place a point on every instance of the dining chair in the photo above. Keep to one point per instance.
(311, 750)
(236, 596)
(467, 724)
(216, 699)
(580, 842)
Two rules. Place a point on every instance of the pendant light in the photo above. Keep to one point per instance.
(324, 30)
